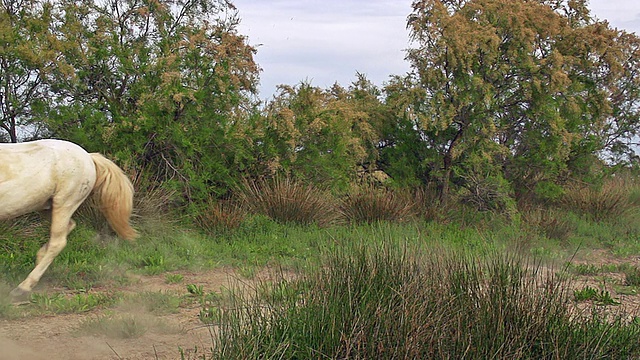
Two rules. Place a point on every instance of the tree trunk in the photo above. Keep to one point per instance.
(444, 187)
(447, 162)
(12, 131)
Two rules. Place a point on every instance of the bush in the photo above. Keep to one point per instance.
(370, 204)
(289, 201)
(385, 302)
(489, 193)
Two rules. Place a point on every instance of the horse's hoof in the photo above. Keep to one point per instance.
(20, 296)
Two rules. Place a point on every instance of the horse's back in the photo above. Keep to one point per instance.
(32, 174)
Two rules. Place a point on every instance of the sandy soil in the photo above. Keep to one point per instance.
(56, 337)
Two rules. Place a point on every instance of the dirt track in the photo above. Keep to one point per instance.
(56, 337)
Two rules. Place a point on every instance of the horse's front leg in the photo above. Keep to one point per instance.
(61, 225)
(43, 249)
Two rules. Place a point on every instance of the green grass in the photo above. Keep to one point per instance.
(416, 289)
(88, 261)
(387, 299)
(632, 276)
(91, 261)
(173, 278)
(601, 297)
(63, 304)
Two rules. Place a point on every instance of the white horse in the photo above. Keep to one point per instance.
(58, 176)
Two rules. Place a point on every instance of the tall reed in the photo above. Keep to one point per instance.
(385, 301)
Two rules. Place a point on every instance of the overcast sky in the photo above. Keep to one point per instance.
(328, 41)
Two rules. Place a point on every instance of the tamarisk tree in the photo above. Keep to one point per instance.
(516, 91)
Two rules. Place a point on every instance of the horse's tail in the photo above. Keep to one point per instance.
(114, 193)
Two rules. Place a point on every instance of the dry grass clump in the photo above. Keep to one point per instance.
(220, 216)
(289, 201)
(488, 193)
(549, 222)
(23, 227)
(609, 201)
(427, 205)
(150, 209)
(370, 204)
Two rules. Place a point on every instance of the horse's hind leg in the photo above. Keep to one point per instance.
(61, 224)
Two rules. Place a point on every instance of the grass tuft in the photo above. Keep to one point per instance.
(427, 205)
(550, 222)
(370, 204)
(384, 301)
(289, 201)
(602, 297)
(632, 276)
(62, 304)
(173, 278)
(220, 216)
(612, 200)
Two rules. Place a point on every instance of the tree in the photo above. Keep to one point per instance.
(161, 85)
(323, 136)
(621, 85)
(25, 59)
(513, 89)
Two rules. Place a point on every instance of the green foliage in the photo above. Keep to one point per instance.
(159, 87)
(504, 98)
(61, 304)
(174, 278)
(585, 294)
(586, 269)
(602, 297)
(28, 56)
(196, 290)
(632, 276)
(321, 136)
(511, 85)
